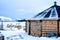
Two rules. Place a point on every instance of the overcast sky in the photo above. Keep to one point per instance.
(24, 9)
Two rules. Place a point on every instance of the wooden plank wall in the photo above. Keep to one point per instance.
(27, 26)
(36, 28)
(59, 27)
(49, 26)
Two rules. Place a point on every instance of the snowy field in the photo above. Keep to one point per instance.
(15, 34)
(22, 35)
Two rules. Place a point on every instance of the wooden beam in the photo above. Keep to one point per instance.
(29, 27)
(41, 27)
(26, 26)
(57, 27)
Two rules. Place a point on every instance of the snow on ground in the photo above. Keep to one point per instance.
(21, 35)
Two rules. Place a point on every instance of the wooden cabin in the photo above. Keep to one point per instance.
(45, 22)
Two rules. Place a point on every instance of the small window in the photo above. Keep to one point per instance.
(53, 13)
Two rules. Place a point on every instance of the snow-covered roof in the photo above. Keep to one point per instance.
(52, 13)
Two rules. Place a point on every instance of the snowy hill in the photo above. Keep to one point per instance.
(2, 18)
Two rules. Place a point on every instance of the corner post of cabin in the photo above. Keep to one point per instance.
(41, 27)
(29, 27)
(57, 28)
(26, 26)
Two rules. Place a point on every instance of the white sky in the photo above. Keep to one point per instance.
(24, 9)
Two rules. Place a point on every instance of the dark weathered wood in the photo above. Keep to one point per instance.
(29, 27)
(26, 26)
(57, 27)
(41, 26)
(49, 26)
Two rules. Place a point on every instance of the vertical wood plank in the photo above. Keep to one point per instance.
(57, 27)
